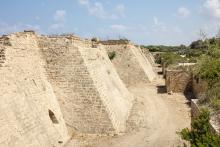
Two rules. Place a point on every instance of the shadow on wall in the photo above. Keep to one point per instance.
(188, 91)
(160, 73)
(53, 117)
(161, 89)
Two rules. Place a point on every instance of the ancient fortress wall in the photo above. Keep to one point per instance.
(30, 115)
(178, 81)
(92, 97)
(132, 66)
(148, 55)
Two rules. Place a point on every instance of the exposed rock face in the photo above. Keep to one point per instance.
(27, 97)
(132, 66)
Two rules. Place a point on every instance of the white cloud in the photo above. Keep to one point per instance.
(120, 10)
(59, 20)
(212, 7)
(117, 27)
(37, 18)
(60, 15)
(211, 10)
(56, 26)
(183, 12)
(84, 2)
(156, 21)
(159, 26)
(97, 9)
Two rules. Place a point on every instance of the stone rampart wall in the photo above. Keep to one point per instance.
(131, 65)
(30, 115)
(77, 73)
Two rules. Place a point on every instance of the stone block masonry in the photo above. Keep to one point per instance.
(52, 86)
(92, 97)
(27, 97)
(132, 66)
(148, 55)
(178, 81)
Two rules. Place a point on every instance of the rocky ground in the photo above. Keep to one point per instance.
(155, 119)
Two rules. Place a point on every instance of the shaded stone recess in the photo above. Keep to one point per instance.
(26, 97)
(132, 66)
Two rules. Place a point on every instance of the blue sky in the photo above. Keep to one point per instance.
(169, 22)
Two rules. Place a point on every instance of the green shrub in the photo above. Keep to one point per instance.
(215, 103)
(214, 51)
(171, 58)
(200, 134)
(209, 70)
(112, 55)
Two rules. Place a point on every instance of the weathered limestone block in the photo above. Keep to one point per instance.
(92, 97)
(178, 81)
(26, 98)
(131, 65)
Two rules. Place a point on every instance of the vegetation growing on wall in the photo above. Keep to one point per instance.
(112, 55)
(200, 135)
(208, 69)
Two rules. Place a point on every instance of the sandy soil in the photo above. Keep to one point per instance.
(154, 120)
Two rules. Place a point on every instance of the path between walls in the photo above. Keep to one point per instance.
(154, 120)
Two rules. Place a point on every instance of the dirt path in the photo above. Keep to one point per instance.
(154, 120)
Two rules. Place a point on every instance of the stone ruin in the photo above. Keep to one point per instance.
(128, 59)
(180, 79)
(54, 86)
(149, 55)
